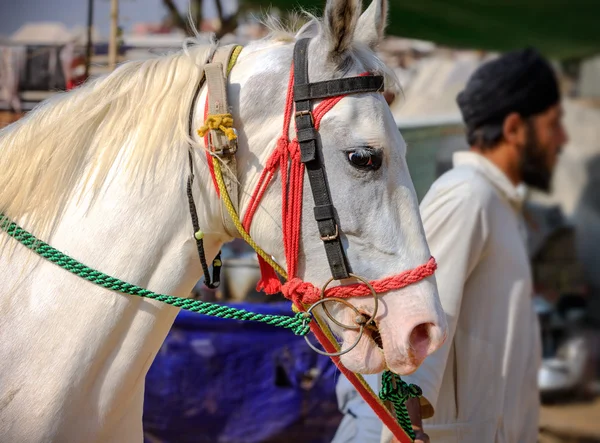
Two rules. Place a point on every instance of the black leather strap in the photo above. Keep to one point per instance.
(215, 281)
(308, 141)
(337, 87)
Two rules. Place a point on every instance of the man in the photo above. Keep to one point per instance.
(481, 385)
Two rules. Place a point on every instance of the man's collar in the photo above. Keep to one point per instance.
(514, 194)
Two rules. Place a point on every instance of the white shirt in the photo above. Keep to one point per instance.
(359, 424)
(482, 383)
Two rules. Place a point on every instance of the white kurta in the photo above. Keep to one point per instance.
(483, 382)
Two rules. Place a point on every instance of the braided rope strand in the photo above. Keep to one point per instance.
(299, 323)
(306, 293)
(397, 391)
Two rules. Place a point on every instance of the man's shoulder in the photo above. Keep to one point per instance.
(461, 185)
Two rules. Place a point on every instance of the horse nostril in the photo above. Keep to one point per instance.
(420, 339)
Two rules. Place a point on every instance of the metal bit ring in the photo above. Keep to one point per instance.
(371, 321)
(361, 327)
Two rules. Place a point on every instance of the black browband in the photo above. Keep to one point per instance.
(308, 138)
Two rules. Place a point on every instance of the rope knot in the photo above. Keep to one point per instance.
(224, 122)
(300, 292)
(303, 323)
(294, 149)
(396, 391)
(401, 392)
(280, 147)
(414, 391)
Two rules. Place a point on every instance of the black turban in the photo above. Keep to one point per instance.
(519, 81)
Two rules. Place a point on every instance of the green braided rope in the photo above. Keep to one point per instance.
(299, 323)
(397, 391)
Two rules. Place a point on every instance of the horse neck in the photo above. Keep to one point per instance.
(100, 343)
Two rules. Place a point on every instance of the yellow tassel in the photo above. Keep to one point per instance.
(224, 122)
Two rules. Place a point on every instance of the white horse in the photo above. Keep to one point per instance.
(100, 174)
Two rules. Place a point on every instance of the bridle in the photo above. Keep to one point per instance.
(292, 159)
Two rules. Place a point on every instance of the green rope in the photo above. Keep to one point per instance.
(393, 388)
(299, 323)
(396, 391)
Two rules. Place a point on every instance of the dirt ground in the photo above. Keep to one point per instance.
(576, 422)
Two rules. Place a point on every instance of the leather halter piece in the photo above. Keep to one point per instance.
(304, 94)
(214, 75)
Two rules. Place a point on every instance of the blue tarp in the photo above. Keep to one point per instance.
(226, 381)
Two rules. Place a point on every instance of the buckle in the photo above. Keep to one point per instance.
(309, 113)
(331, 237)
(228, 148)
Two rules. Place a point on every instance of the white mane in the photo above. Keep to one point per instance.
(44, 156)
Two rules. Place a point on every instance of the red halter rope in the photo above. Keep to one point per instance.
(288, 153)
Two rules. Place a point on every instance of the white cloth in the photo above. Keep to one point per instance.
(482, 383)
(360, 424)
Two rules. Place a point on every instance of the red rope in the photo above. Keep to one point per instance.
(294, 210)
(323, 108)
(274, 160)
(301, 292)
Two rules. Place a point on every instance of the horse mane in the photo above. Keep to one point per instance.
(81, 133)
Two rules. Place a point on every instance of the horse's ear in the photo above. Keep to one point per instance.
(339, 25)
(371, 24)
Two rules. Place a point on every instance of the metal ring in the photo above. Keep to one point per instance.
(360, 329)
(371, 321)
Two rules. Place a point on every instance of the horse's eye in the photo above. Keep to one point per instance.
(364, 158)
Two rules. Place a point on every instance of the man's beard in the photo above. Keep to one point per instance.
(534, 167)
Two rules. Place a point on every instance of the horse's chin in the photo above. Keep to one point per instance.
(369, 356)
(366, 358)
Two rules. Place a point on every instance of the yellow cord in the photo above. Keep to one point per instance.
(212, 124)
(238, 223)
(234, 56)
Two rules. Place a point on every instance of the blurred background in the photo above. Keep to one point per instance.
(223, 381)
